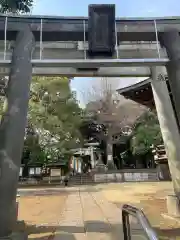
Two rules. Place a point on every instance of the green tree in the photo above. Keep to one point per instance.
(33, 153)
(146, 132)
(18, 6)
(55, 113)
(32, 146)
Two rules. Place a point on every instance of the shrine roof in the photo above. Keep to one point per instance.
(134, 87)
(140, 92)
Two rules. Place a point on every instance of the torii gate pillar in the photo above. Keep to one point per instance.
(170, 132)
(169, 124)
(12, 128)
(171, 41)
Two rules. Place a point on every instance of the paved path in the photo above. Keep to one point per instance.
(89, 216)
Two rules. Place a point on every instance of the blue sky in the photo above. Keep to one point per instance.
(124, 8)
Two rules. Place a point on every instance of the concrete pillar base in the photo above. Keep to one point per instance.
(16, 236)
(163, 172)
(17, 210)
(173, 205)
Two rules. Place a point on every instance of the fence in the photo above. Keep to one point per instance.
(130, 175)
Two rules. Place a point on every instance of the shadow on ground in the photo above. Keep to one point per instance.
(163, 232)
(69, 232)
(55, 192)
(173, 233)
(114, 231)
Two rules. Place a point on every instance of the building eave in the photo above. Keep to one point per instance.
(134, 87)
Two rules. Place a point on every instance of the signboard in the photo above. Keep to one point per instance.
(38, 171)
(4, 71)
(55, 173)
(111, 177)
(118, 177)
(31, 171)
(135, 177)
(35, 171)
(20, 172)
(127, 177)
(110, 157)
(145, 176)
(101, 40)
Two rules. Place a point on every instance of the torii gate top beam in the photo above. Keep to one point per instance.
(72, 29)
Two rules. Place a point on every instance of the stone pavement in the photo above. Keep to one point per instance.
(88, 215)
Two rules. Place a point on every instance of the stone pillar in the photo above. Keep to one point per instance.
(12, 128)
(171, 41)
(92, 157)
(168, 125)
(109, 149)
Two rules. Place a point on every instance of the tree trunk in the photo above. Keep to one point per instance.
(12, 128)
(139, 164)
(109, 149)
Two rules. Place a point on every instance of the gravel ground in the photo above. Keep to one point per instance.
(151, 198)
(43, 207)
(40, 210)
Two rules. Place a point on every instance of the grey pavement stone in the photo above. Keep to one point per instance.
(89, 216)
(111, 213)
(71, 225)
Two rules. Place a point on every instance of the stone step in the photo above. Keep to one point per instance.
(81, 179)
(160, 150)
(160, 147)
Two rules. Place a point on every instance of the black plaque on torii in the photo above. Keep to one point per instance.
(101, 30)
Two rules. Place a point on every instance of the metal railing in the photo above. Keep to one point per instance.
(128, 210)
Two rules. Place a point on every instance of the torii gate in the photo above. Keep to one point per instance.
(61, 49)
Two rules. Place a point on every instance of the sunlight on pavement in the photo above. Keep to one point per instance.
(95, 212)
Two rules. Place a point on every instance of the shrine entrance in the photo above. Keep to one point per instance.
(35, 45)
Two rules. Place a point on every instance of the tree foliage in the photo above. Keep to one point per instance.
(53, 121)
(112, 114)
(110, 109)
(32, 152)
(146, 133)
(18, 6)
(55, 114)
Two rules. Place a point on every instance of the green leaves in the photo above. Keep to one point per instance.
(22, 6)
(146, 132)
(54, 111)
